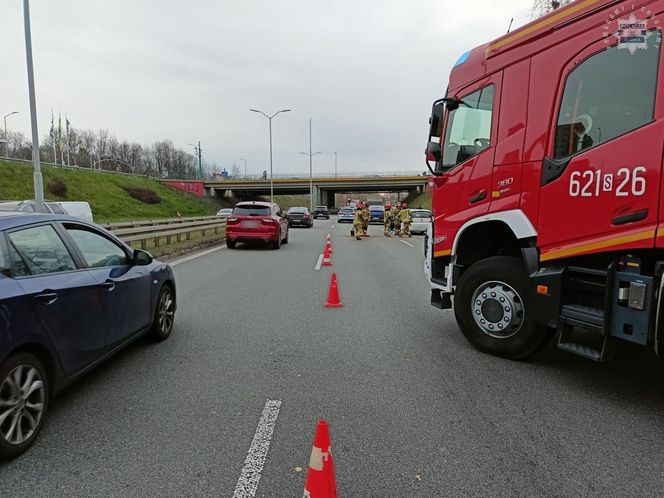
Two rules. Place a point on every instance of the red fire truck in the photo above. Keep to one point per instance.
(546, 155)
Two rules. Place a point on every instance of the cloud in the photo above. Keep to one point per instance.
(366, 72)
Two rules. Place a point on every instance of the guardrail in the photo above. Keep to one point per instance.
(157, 230)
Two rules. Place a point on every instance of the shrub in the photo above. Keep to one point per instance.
(144, 195)
(58, 188)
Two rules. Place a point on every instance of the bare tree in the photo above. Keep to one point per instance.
(543, 7)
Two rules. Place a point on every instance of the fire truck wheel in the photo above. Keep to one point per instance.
(492, 306)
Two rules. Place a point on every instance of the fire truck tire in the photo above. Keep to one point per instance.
(492, 305)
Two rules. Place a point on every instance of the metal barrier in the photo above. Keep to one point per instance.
(167, 229)
(159, 221)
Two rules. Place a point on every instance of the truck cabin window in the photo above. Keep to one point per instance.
(607, 95)
(468, 130)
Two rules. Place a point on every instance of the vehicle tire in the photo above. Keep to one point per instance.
(164, 314)
(277, 244)
(231, 244)
(285, 241)
(22, 406)
(493, 308)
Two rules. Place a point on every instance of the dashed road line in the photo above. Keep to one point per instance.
(408, 243)
(332, 228)
(319, 263)
(247, 484)
(197, 255)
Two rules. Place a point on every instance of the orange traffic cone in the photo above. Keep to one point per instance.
(320, 482)
(327, 259)
(333, 300)
(328, 246)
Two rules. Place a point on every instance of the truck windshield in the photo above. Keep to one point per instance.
(468, 130)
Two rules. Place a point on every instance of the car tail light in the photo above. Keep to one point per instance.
(232, 220)
(269, 221)
(306, 217)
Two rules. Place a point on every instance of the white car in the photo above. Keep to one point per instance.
(421, 219)
(225, 212)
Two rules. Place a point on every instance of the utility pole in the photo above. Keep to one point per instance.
(37, 175)
(199, 153)
(311, 176)
(200, 161)
(335, 164)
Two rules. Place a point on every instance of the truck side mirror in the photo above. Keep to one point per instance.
(433, 152)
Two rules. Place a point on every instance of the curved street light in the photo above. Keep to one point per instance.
(7, 136)
(269, 118)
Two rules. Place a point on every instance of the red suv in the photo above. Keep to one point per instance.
(256, 222)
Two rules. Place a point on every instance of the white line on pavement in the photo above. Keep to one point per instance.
(333, 227)
(247, 484)
(319, 263)
(197, 255)
(408, 243)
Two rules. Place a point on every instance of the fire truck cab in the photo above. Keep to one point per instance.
(546, 161)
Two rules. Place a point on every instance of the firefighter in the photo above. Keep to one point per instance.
(388, 220)
(396, 221)
(366, 216)
(357, 224)
(404, 216)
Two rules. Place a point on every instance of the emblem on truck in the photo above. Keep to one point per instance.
(632, 31)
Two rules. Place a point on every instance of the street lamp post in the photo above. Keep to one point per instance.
(7, 136)
(311, 171)
(269, 118)
(245, 166)
(37, 175)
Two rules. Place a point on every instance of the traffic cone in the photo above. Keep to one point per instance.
(328, 247)
(333, 300)
(327, 259)
(320, 481)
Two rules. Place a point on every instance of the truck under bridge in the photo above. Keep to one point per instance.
(324, 188)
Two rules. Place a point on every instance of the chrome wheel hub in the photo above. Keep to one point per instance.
(21, 404)
(166, 313)
(497, 309)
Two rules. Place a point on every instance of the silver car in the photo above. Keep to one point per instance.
(421, 219)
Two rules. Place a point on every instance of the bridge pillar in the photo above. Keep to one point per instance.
(210, 192)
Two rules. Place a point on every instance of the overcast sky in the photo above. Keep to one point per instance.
(365, 71)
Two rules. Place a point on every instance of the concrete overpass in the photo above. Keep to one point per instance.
(324, 189)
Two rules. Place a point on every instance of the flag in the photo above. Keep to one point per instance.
(60, 129)
(52, 132)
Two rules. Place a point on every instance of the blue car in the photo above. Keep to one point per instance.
(71, 295)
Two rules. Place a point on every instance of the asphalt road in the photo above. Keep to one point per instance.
(413, 409)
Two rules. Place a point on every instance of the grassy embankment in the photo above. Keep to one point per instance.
(420, 201)
(107, 193)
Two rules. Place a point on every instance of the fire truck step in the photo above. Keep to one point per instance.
(581, 331)
(583, 315)
(581, 350)
(441, 300)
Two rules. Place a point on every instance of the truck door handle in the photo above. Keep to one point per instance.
(47, 297)
(478, 197)
(630, 218)
(109, 285)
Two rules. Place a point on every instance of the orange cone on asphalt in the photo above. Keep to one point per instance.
(327, 258)
(333, 300)
(328, 247)
(320, 481)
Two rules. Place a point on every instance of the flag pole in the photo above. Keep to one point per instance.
(62, 152)
(67, 139)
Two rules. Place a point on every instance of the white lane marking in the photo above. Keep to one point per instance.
(333, 227)
(408, 243)
(319, 263)
(197, 255)
(247, 484)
